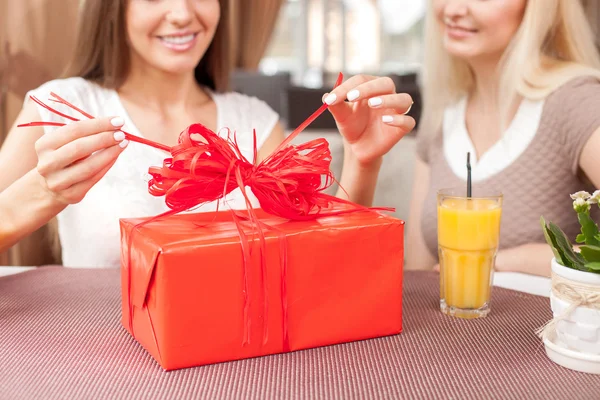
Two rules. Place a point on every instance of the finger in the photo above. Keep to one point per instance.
(400, 102)
(77, 192)
(78, 150)
(404, 122)
(339, 94)
(85, 169)
(340, 111)
(79, 129)
(372, 88)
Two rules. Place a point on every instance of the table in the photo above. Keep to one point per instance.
(510, 280)
(5, 271)
(60, 337)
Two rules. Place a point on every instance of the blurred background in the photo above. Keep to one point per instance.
(288, 53)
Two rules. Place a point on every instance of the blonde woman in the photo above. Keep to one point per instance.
(516, 83)
(155, 67)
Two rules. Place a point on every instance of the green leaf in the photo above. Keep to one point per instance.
(590, 253)
(563, 245)
(580, 238)
(593, 267)
(550, 240)
(588, 228)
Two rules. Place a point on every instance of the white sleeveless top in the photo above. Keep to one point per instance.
(89, 231)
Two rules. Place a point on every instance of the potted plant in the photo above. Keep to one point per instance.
(572, 338)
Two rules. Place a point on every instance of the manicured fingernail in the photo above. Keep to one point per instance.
(387, 119)
(124, 144)
(117, 121)
(409, 107)
(119, 136)
(353, 95)
(375, 102)
(330, 99)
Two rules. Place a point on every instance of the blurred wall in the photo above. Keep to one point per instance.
(36, 41)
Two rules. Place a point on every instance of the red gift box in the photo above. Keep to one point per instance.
(205, 288)
(190, 298)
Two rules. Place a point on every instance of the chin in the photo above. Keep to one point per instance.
(177, 61)
(179, 69)
(176, 65)
(461, 51)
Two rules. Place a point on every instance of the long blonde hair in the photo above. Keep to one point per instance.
(553, 44)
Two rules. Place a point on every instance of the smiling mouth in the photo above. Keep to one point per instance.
(460, 29)
(178, 39)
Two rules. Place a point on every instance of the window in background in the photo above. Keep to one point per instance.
(402, 27)
(287, 50)
(317, 38)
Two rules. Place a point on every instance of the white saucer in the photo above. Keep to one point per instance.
(571, 359)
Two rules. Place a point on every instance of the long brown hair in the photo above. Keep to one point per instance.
(102, 55)
(102, 52)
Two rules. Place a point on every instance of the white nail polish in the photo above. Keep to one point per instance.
(119, 136)
(409, 107)
(117, 121)
(375, 102)
(124, 144)
(387, 119)
(330, 99)
(353, 95)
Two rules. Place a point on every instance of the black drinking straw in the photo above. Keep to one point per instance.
(469, 175)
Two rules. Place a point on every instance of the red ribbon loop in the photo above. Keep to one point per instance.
(205, 167)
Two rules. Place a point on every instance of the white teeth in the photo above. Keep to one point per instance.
(178, 39)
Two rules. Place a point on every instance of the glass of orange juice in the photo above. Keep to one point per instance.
(468, 238)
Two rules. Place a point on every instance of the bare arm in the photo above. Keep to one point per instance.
(417, 255)
(533, 258)
(358, 181)
(23, 206)
(589, 161)
(41, 175)
(530, 258)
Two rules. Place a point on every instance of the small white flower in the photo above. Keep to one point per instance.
(581, 195)
(595, 198)
(581, 205)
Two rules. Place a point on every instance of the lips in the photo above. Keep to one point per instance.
(179, 42)
(178, 39)
(459, 32)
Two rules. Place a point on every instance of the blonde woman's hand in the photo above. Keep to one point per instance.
(76, 156)
(373, 119)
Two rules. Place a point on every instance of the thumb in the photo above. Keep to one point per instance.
(340, 110)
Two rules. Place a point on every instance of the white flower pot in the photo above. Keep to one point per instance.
(575, 343)
(580, 331)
